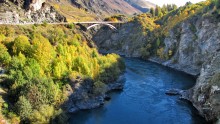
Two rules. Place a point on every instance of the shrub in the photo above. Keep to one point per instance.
(99, 88)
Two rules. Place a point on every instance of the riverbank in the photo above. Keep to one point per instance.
(78, 102)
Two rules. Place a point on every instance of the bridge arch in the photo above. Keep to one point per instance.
(109, 25)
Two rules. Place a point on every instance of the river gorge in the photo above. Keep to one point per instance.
(143, 99)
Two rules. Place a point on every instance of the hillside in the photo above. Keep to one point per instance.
(106, 7)
(22, 11)
(141, 5)
(46, 68)
(28, 12)
(71, 12)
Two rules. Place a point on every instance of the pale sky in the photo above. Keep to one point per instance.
(177, 2)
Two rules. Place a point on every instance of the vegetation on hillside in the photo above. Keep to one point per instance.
(72, 14)
(161, 11)
(170, 19)
(40, 62)
(117, 18)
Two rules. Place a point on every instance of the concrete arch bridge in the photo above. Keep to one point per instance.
(90, 25)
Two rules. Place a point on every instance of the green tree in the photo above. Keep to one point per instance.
(217, 3)
(2, 37)
(24, 108)
(5, 57)
(42, 91)
(43, 51)
(152, 11)
(44, 115)
(158, 11)
(21, 44)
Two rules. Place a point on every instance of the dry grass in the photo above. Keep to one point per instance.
(72, 14)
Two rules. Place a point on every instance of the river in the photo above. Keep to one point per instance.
(143, 100)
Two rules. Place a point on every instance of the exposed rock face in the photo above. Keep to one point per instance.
(197, 42)
(34, 5)
(206, 93)
(45, 14)
(36, 11)
(81, 96)
(125, 41)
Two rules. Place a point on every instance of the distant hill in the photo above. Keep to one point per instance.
(25, 11)
(106, 7)
(142, 5)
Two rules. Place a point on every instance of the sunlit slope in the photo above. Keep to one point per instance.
(73, 14)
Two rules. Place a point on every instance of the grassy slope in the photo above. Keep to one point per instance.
(72, 14)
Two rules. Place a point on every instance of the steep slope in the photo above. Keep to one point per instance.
(141, 5)
(129, 39)
(72, 12)
(106, 7)
(21, 11)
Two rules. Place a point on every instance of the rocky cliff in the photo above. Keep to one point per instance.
(25, 11)
(128, 39)
(206, 93)
(195, 41)
(197, 54)
(121, 41)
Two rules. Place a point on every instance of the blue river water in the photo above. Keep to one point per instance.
(143, 100)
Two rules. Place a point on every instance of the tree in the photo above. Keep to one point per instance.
(188, 3)
(2, 37)
(24, 108)
(174, 6)
(43, 115)
(43, 51)
(21, 44)
(152, 11)
(5, 58)
(158, 11)
(217, 3)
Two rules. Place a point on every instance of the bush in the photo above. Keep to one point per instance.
(99, 88)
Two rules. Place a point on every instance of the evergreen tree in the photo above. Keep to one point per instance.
(152, 11)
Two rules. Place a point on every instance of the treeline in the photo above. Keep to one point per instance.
(40, 62)
(161, 11)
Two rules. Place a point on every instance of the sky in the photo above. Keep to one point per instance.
(177, 2)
